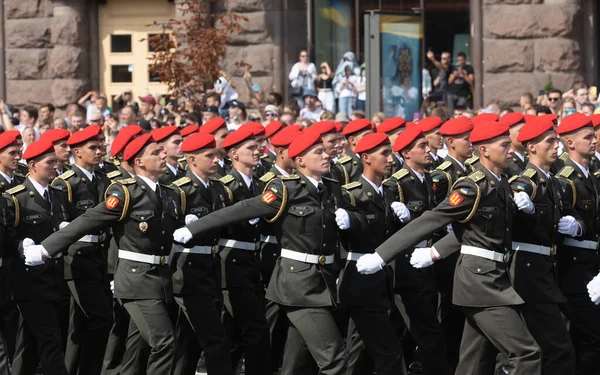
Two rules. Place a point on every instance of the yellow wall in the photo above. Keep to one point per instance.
(133, 17)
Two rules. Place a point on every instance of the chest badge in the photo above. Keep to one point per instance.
(143, 226)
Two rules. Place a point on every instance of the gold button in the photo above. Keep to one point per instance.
(300, 213)
(142, 218)
(162, 247)
(35, 222)
(133, 270)
(323, 226)
(26, 269)
(102, 245)
(163, 232)
(574, 258)
(479, 270)
(292, 268)
(189, 263)
(274, 254)
(324, 245)
(233, 260)
(528, 264)
(406, 255)
(79, 252)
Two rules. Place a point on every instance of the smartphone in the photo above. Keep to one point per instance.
(542, 92)
(255, 87)
(569, 112)
(593, 91)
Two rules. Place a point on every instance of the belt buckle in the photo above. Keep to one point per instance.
(101, 237)
(162, 260)
(553, 250)
(506, 257)
(322, 259)
(214, 249)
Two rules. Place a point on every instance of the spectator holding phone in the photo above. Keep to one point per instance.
(302, 77)
(568, 107)
(347, 90)
(325, 87)
(440, 74)
(460, 82)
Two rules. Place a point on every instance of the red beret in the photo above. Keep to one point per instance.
(38, 148)
(512, 119)
(487, 130)
(303, 143)
(163, 133)
(55, 135)
(390, 124)
(371, 141)
(534, 129)
(211, 126)
(338, 126)
(596, 120)
(123, 138)
(407, 137)
(255, 127)
(8, 138)
(456, 126)
(272, 128)
(573, 122)
(237, 136)
(136, 146)
(529, 118)
(190, 129)
(323, 127)
(86, 134)
(430, 123)
(287, 135)
(550, 116)
(356, 126)
(197, 142)
(484, 117)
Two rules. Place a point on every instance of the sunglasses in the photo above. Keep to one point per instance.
(269, 114)
(553, 99)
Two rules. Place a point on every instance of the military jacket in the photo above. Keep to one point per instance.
(350, 167)
(445, 175)
(169, 177)
(516, 166)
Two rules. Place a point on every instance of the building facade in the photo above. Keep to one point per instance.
(56, 50)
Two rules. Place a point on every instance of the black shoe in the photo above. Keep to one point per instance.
(415, 367)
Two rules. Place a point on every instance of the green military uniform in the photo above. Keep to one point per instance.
(397, 163)
(436, 161)
(304, 279)
(533, 271)
(264, 165)
(516, 165)
(197, 281)
(170, 176)
(107, 166)
(37, 290)
(579, 263)
(143, 220)
(5, 354)
(481, 210)
(416, 287)
(367, 297)
(349, 167)
(85, 272)
(22, 170)
(594, 163)
(223, 170)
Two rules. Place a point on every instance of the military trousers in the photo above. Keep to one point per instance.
(489, 330)
(117, 338)
(585, 333)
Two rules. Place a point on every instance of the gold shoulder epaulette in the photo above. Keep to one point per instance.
(445, 165)
(15, 190)
(352, 185)
(267, 177)
(181, 160)
(513, 178)
(127, 181)
(182, 181)
(564, 156)
(477, 176)
(213, 178)
(264, 156)
(227, 179)
(566, 171)
(114, 174)
(471, 160)
(330, 179)
(20, 174)
(529, 173)
(290, 177)
(400, 174)
(597, 173)
(345, 159)
(67, 174)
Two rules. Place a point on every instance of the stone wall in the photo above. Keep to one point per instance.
(525, 42)
(47, 45)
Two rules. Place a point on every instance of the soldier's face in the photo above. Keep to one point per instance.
(583, 142)
(419, 154)
(44, 169)
(461, 146)
(546, 151)
(9, 157)
(90, 153)
(514, 133)
(379, 161)
(498, 151)
(436, 141)
(332, 143)
(153, 160)
(247, 153)
(172, 146)
(204, 161)
(393, 136)
(219, 138)
(63, 151)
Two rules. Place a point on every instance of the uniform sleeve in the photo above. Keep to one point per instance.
(269, 205)
(440, 185)
(567, 197)
(9, 240)
(111, 210)
(458, 206)
(524, 184)
(448, 245)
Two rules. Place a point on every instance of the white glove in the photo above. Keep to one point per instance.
(369, 264)
(401, 211)
(568, 225)
(190, 219)
(112, 286)
(449, 228)
(182, 235)
(27, 242)
(421, 257)
(63, 225)
(523, 202)
(342, 219)
(254, 221)
(33, 255)
(593, 288)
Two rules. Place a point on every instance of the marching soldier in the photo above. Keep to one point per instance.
(534, 242)
(392, 127)
(578, 259)
(305, 209)
(169, 138)
(367, 297)
(481, 211)
(271, 130)
(186, 132)
(350, 165)
(430, 126)
(332, 141)
(218, 128)
(5, 356)
(85, 262)
(456, 135)
(197, 267)
(59, 138)
(105, 166)
(143, 214)
(258, 132)
(515, 122)
(10, 155)
(35, 211)
(595, 160)
(417, 287)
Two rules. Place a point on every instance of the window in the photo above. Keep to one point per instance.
(152, 48)
(121, 73)
(120, 43)
(152, 77)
